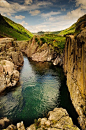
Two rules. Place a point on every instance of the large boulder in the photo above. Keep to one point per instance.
(58, 119)
(17, 58)
(4, 122)
(58, 61)
(9, 76)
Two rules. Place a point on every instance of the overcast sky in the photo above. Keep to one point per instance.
(43, 15)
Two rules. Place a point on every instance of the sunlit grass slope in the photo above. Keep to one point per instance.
(8, 28)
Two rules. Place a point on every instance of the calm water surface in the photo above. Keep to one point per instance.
(42, 87)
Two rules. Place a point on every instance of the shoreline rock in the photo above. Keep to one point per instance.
(58, 119)
(73, 61)
(11, 58)
(74, 66)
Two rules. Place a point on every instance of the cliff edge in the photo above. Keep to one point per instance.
(75, 69)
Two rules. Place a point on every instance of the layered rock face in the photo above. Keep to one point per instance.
(11, 59)
(75, 69)
(40, 53)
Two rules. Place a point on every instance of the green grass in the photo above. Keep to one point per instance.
(76, 28)
(54, 41)
(8, 28)
(69, 30)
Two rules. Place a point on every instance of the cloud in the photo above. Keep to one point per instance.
(35, 12)
(50, 14)
(75, 14)
(4, 3)
(9, 14)
(13, 7)
(63, 9)
(81, 3)
(44, 3)
(19, 17)
(23, 23)
(7, 10)
(48, 26)
(27, 2)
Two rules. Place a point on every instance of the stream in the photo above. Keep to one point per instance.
(41, 88)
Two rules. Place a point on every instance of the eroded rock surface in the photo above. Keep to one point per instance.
(75, 69)
(58, 120)
(9, 76)
(11, 58)
(40, 53)
(4, 122)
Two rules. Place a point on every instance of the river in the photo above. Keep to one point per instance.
(41, 88)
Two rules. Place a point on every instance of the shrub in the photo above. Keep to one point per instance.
(43, 40)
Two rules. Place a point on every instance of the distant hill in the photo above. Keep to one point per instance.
(74, 29)
(42, 33)
(8, 28)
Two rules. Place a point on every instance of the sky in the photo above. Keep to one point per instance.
(43, 15)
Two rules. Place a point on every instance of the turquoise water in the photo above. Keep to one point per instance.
(42, 87)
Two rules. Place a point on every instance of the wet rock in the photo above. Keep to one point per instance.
(4, 122)
(11, 127)
(20, 126)
(57, 61)
(58, 119)
(32, 127)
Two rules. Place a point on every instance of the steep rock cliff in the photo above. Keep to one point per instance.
(11, 59)
(75, 69)
(40, 53)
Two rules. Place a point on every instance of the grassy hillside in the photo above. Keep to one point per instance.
(8, 28)
(69, 30)
(57, 39)
(55, 42)
(80, 24)
(76, 27)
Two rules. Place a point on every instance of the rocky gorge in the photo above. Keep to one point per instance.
(11, 59)
(73, 61)
(74, 64)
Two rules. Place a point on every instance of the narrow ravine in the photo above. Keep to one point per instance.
(42, 87)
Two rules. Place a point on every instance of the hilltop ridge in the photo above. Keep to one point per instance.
(9, 28)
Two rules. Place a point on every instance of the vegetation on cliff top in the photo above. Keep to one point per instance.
(8, 28)
(69, 30)
(73, 29)
(76, 28)
(55, 42)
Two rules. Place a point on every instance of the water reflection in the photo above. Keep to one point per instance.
(37, 93)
